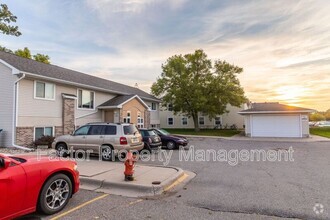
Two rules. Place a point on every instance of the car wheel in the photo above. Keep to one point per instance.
(147, 147)
(55, 194)
(61, 150)
(170, 145)
(106, 153)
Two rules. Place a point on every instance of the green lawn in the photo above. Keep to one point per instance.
(204, 132)
(324, 132)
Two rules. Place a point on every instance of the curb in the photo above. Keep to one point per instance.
(128, 189)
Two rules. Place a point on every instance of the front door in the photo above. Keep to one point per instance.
(109, 116)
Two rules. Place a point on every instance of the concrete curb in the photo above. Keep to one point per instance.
(129, 189)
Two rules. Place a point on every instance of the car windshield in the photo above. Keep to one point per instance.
(130, 129)
(151, 133)
(163, 132)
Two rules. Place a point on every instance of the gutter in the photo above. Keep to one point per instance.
(15, 104)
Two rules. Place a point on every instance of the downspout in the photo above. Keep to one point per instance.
(15, 115)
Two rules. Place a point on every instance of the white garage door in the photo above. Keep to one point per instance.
(276, 126)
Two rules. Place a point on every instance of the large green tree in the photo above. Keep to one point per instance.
(42, 58)
(27, 54)
(6, 18)
(193, 85)
(24, 53)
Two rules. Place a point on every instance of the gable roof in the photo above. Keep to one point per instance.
(35, 68)
(274, 107)
(120, 100)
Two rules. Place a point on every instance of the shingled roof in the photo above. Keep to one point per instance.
(274, 107)
(116, 100)
(56, 72)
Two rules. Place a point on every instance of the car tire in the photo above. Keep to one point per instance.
(147, 147)
(62, 150)
(55, 194)
(170, 145)
(107, 153)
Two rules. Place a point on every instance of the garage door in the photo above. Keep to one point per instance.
(276, 126)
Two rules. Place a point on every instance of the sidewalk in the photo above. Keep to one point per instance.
(108, 177)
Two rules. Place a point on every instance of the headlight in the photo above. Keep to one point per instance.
(75, 167)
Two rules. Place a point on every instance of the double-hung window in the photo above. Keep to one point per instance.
(44, 90)
(85, 99)
(42, 131)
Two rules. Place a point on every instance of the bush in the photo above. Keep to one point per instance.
(44, 140)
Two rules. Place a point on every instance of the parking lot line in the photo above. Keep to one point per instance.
(78, 207)
(177, 182)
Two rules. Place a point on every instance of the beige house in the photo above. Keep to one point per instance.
(169, 120)
(41, 99)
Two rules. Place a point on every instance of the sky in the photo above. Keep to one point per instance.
(283, 46)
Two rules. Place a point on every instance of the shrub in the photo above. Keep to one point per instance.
(44, 140)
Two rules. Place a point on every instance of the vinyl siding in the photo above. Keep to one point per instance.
(7, 105)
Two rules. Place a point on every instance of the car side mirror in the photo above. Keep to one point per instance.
(4, 163)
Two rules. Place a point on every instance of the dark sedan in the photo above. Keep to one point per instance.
(150, 138)
(169, 140)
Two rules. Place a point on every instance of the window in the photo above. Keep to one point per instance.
(130, 129)
(217, 120)
(153, 106)
(201, 120)
(95, 130)
(170, 121)
(184, 120)
(85, 99)
(82, 130)
(127, 119)
(140, 121)
(170, 107)
(44, 90)
(110, 130)
(43, 131)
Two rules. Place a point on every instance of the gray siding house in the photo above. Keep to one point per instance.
(42, 99)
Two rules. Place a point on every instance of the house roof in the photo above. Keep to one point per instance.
(273, 107)
(29, 66)
(119, 100)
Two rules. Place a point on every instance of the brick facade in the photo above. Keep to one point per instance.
(24, 136)
(68, 115)
(58, 131)
(147, 119)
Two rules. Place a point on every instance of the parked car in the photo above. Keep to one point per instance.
(101, 138)
(322, 124)
(30, 183)
(169, 140)
(150, 138)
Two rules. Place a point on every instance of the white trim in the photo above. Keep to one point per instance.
(69, 96)
(220, 120)
(182, 120)
(34, 130)
(14, 71)
(83, 85)
(154, 110)
(300, 126)
(281, 112)
(108, 107)
(35, 91)
(203, 120)
(172, 121)
(133, 97)
(94, 100)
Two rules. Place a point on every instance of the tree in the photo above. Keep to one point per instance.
(42, 58)
(317, 116)
(327, 115)
(6, 17)
(24, 53)
(193, 85)
(4, 49)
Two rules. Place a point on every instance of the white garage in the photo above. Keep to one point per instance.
(276, 120)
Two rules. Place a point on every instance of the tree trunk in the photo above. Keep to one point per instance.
(195, 117)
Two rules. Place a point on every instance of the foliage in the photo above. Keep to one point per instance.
(324, 132)
(193, 85)
(42, 58)
(24, 53)
(44, 140)
(205, 132)
(320, 116)
(6, 18)
(4, 49)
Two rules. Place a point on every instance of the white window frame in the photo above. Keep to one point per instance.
(220, 120)
(35, 90)
(127, 117)
(155, 106)
(34, 131)
(168, 107)
(199, 120)
(140, 123)
(94, 100)
(172, 121)
(182, 121)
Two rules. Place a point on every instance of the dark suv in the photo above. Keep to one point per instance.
(150, 138)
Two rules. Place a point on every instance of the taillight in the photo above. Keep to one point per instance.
(150, 141)
(123, 140)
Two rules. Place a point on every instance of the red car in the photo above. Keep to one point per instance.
(31, 183)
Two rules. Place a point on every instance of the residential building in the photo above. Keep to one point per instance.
(42, 99)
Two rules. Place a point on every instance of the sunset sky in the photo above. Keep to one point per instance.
(283, 46)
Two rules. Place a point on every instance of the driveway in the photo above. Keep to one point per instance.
(273, 189)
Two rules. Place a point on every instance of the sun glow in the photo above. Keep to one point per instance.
(290, 94)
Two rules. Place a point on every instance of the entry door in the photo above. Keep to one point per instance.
(276, 126)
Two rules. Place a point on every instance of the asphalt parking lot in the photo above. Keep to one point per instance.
(296, 189)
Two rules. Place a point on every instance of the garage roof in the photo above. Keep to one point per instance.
(274, 107)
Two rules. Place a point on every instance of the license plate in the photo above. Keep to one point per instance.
(135, 140)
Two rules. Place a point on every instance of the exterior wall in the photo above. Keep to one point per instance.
(24, 136)
(154, 114)
(305, 125)
(7, 105)
(226, 119)
(134, 106)
(68, 115)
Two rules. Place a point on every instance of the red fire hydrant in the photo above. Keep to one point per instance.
(129, 167)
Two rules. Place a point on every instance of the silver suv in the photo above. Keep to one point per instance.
(104, 138)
